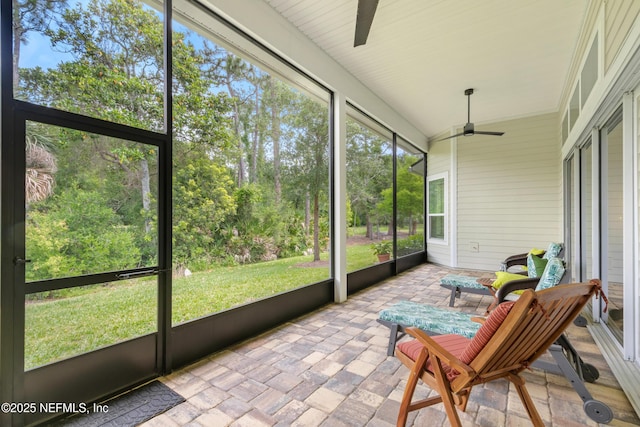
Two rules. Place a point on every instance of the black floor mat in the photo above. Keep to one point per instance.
(130, 409)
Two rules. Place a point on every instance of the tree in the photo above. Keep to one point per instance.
(28, 16)
(236, 74)
(308, 158)
(40, 169)
(203, 201)
(278, 100)
(369, 171)
(116, 73)
(410, 195)
(112, 76)
(238, 133)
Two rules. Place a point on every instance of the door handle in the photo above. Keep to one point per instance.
(17, 260)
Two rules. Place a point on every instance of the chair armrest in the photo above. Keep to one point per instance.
(515, 285)
(479, 319)
(518, 259)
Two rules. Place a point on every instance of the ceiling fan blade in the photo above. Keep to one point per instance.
(364, 19)
(449, 137)
(488, 133)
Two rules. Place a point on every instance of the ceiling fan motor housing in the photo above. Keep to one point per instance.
(468, 129)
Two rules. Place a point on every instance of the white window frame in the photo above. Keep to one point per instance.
(445, 214)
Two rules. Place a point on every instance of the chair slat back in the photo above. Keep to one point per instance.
(534, 323)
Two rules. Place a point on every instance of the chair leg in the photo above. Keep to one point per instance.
(444, 389)
(455, 291)
(526, 400)
(412, 381)
(393, 338)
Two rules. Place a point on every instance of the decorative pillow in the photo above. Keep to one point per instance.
(503, 277)
(535, 251)
(486, 331)
(553, 250)
(535, 265)
(552, 274)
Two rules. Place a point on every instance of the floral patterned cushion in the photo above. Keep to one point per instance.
(553, 250)
(429, 318)
(460, 281)
(553, 273)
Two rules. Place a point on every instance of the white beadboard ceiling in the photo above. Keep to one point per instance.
(422, 54)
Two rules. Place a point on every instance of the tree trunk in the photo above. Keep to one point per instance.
(146, 194)
(236, 129)
(369, 233)
(241, 163)
(316, 228)
(275, 136)
(307, 213)
(255, 144)
(18, 32)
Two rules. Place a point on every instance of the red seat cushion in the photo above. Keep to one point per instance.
(455, 344)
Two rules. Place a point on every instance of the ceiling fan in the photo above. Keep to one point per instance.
(468, 129)
(364, 19)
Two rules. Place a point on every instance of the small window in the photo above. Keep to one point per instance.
(574, 108)
(589, 75)
(437, 224)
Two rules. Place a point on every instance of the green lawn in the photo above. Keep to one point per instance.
(60, 328)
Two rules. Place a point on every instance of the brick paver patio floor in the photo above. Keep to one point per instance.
(330, 368)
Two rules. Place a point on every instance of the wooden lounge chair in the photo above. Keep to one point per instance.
(553, 274)
(436, 320)
(509, 341)
(458, 284)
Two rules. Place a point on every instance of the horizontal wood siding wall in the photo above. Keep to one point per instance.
(509, 191)
(439, 161)
(619, 18)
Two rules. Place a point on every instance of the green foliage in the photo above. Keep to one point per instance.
(203, 200)
(75, 233)
(247, 197)
(263, 230)
(250, 152)
(410, 244)
(369, 171)
(436, 196)
(382, 247)
(410, 195)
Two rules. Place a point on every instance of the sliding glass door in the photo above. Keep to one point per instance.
(612, 222)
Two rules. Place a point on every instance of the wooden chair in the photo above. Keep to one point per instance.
(509, 341)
